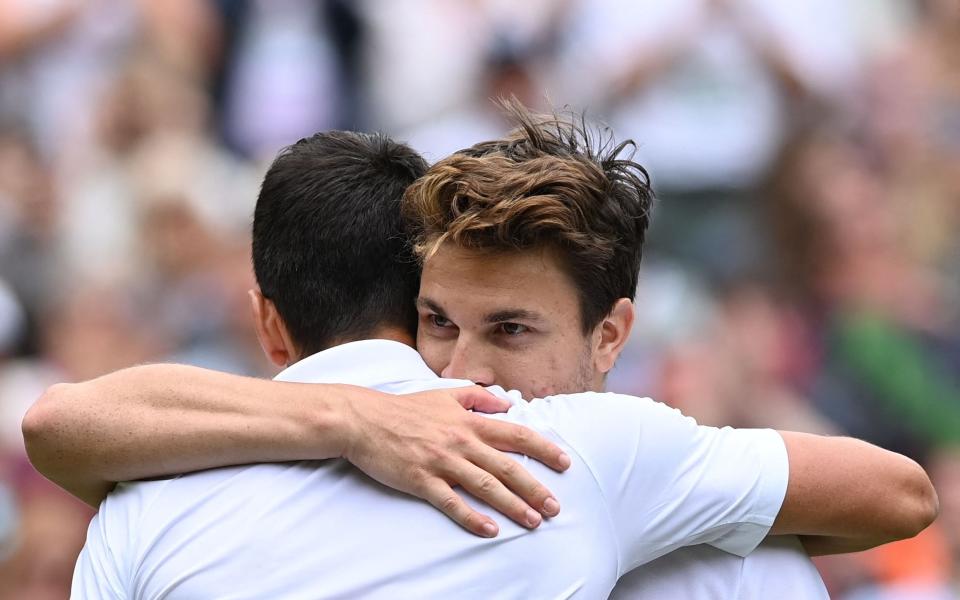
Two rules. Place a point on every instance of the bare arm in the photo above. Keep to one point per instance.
(155, 420)
(20, 34)
(845, 495)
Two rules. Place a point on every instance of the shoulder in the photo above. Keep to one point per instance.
(138, 514)
(614, 432)
(165, 498)
(615, 410)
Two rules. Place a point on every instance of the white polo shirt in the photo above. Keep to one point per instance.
(645, 480)
(779, 568)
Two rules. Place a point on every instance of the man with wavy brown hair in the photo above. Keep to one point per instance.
(546, 203)
(531, 248)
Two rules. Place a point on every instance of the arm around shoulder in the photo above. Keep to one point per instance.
(163, 419)
(850, 495)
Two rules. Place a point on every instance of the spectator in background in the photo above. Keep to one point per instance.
(49, 528)
(29, 213)
(880, 314)
(56, 57)
(127, 132)
(879, 324)
(290, 69)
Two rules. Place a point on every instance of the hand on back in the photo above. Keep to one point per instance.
(425, 443)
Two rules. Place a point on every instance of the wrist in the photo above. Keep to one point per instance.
(341, 422)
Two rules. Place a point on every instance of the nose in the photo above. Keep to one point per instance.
(468, 361)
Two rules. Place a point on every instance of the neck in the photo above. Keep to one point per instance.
(386, 332)
(396, 334)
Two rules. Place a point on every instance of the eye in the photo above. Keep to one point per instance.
(439, 321)
(513, 329)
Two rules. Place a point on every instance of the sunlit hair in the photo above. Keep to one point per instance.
(552, 182)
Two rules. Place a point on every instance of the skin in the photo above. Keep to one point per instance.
(513, 319)
(154, 420)
(114, 427)
(84, 434)
(488, 476)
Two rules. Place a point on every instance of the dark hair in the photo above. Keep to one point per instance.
(329, 247)
(553, 181)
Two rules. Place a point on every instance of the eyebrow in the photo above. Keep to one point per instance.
(511, 314)
(429, 304)
(498, 316)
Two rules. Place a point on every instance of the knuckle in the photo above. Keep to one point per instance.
(481, 426)
(449, 503)
(487, 483)
(522, 435)
(539, 492)
(472, 521)
(459, 439)
(419, 481)
(433, 454)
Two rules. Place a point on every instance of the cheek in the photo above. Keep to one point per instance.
(567, 355)
(536, 375)
(568, 368)
(436, 353)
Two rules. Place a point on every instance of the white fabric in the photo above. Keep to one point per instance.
(779, 568)
(644, 480)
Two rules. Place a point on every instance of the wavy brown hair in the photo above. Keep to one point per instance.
(553, 181)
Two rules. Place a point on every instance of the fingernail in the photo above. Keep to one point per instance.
(551, 506)
(489, 529)
(533, 518)
(564, 461)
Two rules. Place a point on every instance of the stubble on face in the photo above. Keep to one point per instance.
(554, 357)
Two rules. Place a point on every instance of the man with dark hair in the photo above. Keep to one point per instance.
(298, 277)
(634, 458)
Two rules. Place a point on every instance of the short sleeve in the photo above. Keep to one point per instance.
(669, 482)
(104, 568)
(96, 574)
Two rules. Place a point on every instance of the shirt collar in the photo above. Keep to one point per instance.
(368, 363)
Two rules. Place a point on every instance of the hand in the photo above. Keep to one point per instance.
(425, 443)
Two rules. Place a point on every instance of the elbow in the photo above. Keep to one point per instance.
(41, 421)
(929, 503)
(921, 506)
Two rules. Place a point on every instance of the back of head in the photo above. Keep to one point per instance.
(551, 182)
(329, 247)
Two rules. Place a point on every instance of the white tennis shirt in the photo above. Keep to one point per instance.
(645, 480)
(779, 568)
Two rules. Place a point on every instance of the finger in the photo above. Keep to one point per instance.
(516, 479)
(478, 399)
(439, 493)
(488, 488)
(511, 437)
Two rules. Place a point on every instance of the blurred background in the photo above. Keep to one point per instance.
(803, 270)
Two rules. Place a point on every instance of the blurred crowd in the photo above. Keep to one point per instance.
(803, 271)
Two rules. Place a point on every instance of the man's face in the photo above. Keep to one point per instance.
(511, 319)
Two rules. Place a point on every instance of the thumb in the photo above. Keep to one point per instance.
(480, 400)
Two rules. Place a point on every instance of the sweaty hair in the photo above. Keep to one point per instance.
(551, 182)
(329, 247)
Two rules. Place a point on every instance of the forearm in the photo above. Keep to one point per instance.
(850, 495)
(157, 420)
(818, 545)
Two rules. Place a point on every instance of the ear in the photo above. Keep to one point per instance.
(271, 330)
(612, 334)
